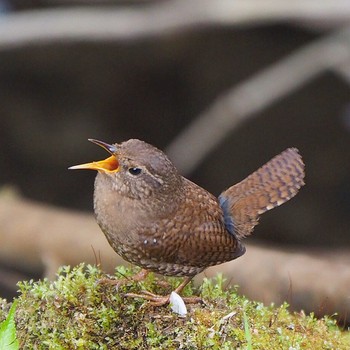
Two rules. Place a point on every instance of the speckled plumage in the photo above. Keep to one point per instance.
(165, 223)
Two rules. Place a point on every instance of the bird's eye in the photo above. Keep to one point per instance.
(135, 171)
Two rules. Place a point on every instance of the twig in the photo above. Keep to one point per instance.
(253, 95)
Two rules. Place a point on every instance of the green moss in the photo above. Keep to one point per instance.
(77, 312)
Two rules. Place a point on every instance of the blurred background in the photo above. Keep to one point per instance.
(222, 86)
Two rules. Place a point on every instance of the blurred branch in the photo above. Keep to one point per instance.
(343, 70)
(46, 237)
(256, 93)
(239, 103)
(121, 23)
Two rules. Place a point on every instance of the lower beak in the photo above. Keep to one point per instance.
(108, 165)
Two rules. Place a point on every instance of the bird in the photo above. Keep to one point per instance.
(157, 219)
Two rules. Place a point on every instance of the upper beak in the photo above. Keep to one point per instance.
(108, 165)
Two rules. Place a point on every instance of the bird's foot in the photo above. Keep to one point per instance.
(160, 300)
(140, 276)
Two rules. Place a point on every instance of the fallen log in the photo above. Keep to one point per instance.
(38, 238)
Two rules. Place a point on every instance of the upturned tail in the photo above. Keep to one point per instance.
(273, 184)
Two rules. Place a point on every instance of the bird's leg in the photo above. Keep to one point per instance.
(160, 300)
(140, 276)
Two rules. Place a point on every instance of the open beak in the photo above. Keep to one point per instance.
(108, 165)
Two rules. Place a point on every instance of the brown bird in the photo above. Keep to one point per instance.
(159, 220)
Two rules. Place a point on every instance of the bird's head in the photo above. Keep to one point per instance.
(136, 169)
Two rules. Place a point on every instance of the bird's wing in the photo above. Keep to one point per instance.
(195, 235)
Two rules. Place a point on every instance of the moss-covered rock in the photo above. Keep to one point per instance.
(77, 312)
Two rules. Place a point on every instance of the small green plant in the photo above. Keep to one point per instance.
(8, 339)
(247, 333)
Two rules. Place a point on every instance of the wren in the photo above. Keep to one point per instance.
(157, 219)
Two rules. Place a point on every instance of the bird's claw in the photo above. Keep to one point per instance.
(160, 300)
(140, 276)
(154, 299)
(110, 281)
(115, 282)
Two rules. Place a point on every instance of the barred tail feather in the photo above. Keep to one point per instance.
(273, 184)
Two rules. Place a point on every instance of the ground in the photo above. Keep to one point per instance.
(78, 312)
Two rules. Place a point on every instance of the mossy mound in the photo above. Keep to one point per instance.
(77, 312)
